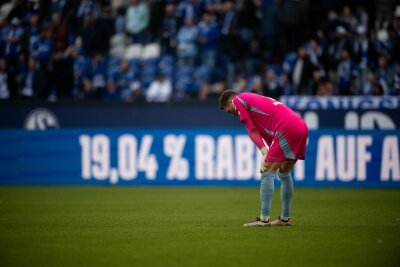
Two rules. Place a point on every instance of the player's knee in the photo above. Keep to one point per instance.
(286, 167)
(271, 166)
(284, 170)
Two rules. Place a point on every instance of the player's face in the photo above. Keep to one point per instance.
(229, 108)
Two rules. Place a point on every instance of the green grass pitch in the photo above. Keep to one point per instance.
(192, 226)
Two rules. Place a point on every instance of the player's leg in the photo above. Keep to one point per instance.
(266, 195)
(285, 176)
(292, 142)
(267, 189)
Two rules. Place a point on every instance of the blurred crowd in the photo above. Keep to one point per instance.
(160, 51)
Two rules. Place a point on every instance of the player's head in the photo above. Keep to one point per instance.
(225, 102)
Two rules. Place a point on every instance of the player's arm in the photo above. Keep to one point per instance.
(255, 135)
(245, 118)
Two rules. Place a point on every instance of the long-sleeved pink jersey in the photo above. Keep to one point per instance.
(267, 115)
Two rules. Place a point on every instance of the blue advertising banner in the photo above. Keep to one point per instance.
(350, 113)
(226, 156)
(340, 102)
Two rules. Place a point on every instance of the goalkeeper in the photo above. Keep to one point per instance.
(281, 135)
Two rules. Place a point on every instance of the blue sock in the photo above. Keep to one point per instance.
(286, 193)
(266, 192)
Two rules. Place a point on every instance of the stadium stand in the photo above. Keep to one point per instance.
(279, 47)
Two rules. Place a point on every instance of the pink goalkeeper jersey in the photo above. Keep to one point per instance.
(268, 115)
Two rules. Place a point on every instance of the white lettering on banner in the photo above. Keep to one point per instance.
(127, 167)
(84, 141)
(224, 157)
(244, 154)
(299, 170)
(214, 159)
(100, 156)
(381, 120)
(368, 121)
(204, 157)
(363, 156)
(343, 166)
(312, 120)
(390, 166)
(174, 146)
(345, 154)
(95, 153)
(351, 121)
(325, 163)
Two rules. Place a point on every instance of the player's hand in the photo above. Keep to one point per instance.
(263, 166)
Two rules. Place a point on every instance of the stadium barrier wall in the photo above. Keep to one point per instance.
(178, 156)
(319, 112)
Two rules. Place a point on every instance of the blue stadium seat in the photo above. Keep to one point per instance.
(202, 74)
(184, 71)
(288, 63)
(168, 59)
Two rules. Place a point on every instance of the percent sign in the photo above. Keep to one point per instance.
(179, 166)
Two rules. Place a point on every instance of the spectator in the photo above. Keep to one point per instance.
(104, 29)
(256, 85)
(13, 40)
(253, 55)
(59, 32)
(314, 52)
(31, 34)
(34, 82)
(4, 92)
(137, 20)
(250, 17)
(3, 33)
(230, 42)
(241, 85)
(188, 9)
(248, 34)
(395, 39)
(371, 87)
(160, 90)
(347, 72)
(330, 26)
(187, 46)
(62, 73)
(88, 36)
(80, 67)
(349, 20)
(302, 72)
(208, 38)
(12, 49)
(338, 42)
(120, 83)
(137, 95)
(42, 49)
(285, 85)
(157, 11)
(396, 81)
(362, 16)
(384, 75)
(272, 86)
(271, 27)
(94, 78)
(324, 87)
(294, 20)
(364, 55)
(169, 28)
(88, 8)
